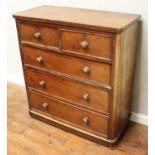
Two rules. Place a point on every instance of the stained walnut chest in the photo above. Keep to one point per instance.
(78, 66)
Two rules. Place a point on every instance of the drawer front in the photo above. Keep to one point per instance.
(78, 93)
(88, 44)
(61, 110)
(95, 71)
(39, 34)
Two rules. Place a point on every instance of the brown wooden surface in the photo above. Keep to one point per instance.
(123, 77)
(117, 50)
(98, 45)
(70, 114)
(99, 72)
(68, 90)
(49, 36)
(109, 21)
(32, 137)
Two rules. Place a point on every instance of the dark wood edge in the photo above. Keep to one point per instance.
(41, 46)
(69, 128)
(112, 86)
(111, 82)
(51, 96)
(105, 35)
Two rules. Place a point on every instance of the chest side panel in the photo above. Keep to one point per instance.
(125, 52)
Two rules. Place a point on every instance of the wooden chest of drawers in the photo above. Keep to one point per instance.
(78, 66)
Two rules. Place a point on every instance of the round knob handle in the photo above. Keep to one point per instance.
(86, 120)
(84, 44)
(45, 105)
(42, 83)
(86, 69)
(85, 97)
(40, 59)
(37, 35)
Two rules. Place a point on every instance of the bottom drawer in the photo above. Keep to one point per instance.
(79, 117)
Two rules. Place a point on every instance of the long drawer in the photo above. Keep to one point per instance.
(73, 91)
(94, 71)
(78, 116)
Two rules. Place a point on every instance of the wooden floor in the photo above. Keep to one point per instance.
(27, 136)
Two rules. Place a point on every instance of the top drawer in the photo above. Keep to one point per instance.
(96, 45)
(39, 34)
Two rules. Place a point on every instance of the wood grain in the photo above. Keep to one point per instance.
(48, 36)
(112, 21)
(99, 72)
(123, 77)
(32, 137)
(107, 39)
(68, 90)
(69, 113)
(98, 44)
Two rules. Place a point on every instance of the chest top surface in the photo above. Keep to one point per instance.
(108, 21)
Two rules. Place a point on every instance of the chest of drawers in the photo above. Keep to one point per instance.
(78, 66)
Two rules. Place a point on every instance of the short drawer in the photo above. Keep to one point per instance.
(61, 110)
(68, 90)
(90, 70)
(89, 44)
(39, 34)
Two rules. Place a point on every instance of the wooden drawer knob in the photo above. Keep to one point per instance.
(40, 59)
(45, 105)
(42, 84)
(86, 120)
(84, 44)
(37, 35)
(85, 96)
(86, 69)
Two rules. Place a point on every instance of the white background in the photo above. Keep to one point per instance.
(3, 79)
